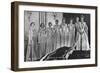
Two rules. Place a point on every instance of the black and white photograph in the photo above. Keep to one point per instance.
(51, 36)
(56, 36)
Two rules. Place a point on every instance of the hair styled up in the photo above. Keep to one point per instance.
(82, 16)
(49, 24)
(32, 23)
(42, 25)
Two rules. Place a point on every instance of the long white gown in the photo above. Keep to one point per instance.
(57, 36)
(32, 45)
(82, 36)
(54, 39)
(66, 35)
(42, 40)
(62, 34)
(71, 35)
(49, 46)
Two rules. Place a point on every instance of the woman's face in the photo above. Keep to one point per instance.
(63, 20)
(77, 18)
(32, 24)
(71, 21)
(82, 19)
(42, 25)
(50, 24)
(56, 21)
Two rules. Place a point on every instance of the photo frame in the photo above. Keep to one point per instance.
(52, 36)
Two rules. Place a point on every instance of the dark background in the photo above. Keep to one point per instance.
(73, 16)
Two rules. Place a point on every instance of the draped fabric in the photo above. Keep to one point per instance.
(82, 35)
(66, 35)
(57, 36)
(54, 39)
(42, 39)
(49, 47)
(32, 45)
(62, 34)
(71, 35)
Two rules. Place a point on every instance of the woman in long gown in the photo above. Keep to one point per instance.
(82, 35)
(62, 32)
(71, 34)
(49, 39)
(66, 35)
(85, 41)
(56, 34)
(42, 40)
(78, 33)
(31, 53)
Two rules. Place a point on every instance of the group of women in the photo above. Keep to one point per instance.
(48, 39)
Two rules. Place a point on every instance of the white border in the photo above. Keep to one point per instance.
(23, 64)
